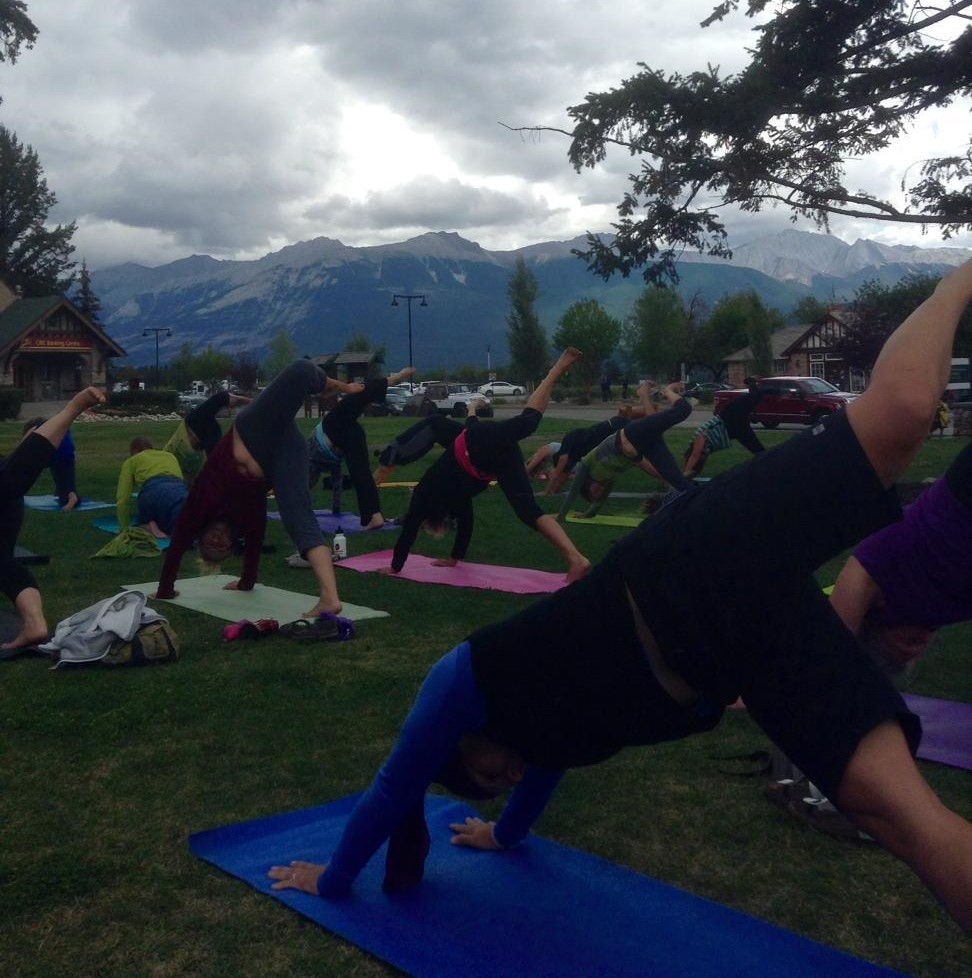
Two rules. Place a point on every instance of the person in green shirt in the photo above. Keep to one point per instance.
(157, 478)
(640, 444)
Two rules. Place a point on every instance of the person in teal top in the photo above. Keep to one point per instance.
(157, 478)
(640, 444)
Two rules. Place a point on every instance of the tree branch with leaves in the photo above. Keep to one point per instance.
(827, 81)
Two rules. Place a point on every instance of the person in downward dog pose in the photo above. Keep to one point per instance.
(18, 472)
(484, 451)
(263, 450)
(662, 635)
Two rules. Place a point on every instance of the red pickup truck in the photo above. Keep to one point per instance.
(799, 400)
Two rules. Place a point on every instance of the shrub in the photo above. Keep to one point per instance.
(144, 402)
(11, 398)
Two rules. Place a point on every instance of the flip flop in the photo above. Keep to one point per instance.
(310, 630)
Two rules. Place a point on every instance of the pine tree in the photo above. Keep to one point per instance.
(34, 258)
(524, 334)
(85, 299)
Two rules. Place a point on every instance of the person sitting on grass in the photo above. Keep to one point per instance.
(156, 477)
(339, 437)
(18, 472)
(263, 450)
(732, 422)
(199, 432)
(62, 469)
(482, 452)
(663, 634)
(639, 444)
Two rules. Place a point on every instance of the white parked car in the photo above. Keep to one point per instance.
(500, 388)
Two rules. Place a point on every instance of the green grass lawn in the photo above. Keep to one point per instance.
(104, 773)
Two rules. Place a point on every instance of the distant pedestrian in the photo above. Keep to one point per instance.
(605, 387)
(625, 382)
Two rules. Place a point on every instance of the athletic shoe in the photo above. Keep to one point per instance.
(295, 560)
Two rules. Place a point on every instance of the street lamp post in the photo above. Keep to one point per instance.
(157, 329)
(408, 298)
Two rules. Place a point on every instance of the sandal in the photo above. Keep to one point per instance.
(326, 628)
(266, 626)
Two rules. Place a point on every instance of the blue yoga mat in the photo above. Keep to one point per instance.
(50, 504)
(109, 524)
(540, 909)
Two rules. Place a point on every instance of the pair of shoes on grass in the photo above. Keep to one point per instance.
(324, 628)
(805, 802)
(245, 629)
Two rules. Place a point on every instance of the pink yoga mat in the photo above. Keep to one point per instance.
(490, 577)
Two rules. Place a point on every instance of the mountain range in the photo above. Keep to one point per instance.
(322, 292)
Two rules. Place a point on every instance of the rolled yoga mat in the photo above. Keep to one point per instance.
(208, 595)
(487, 577)
(540, 909)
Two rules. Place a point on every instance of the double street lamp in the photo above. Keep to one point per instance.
(157, 329)
(408, 298)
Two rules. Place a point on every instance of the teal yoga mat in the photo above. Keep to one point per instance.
(50, 504)
(207, 594)
(541, 909)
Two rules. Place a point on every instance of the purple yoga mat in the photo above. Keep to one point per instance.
(947, 730)
(489, 577)
(347, 523)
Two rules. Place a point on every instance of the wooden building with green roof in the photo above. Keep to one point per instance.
(49, 348)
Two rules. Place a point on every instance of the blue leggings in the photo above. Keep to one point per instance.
(161, 499)
(448, 705)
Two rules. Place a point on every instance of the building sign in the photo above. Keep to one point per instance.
(55, 343)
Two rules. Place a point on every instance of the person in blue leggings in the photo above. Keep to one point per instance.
(662, 635)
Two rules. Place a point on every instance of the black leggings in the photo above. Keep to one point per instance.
(416, 442)
(348, 437)
(18, 472)
(646, 435)
(735, 416)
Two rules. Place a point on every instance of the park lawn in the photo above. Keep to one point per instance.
(105, 773)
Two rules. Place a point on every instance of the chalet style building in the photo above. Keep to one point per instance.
(803, 351)
(49, 348)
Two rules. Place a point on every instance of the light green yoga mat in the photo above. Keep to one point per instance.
(630, 521)
(207, 594)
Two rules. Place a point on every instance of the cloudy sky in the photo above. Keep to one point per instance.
(235, 127)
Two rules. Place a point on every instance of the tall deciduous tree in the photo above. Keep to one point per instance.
(588, 326)
(657, 334)
(16, 29)
(738, 321)
(33, 257)
(827, 81)
(282, 351)
(213, 367)
(246, 371)
(524, 334)
(85, 298)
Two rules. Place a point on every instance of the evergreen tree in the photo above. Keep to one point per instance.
(524, 334)
(34, 258)
(85, 298)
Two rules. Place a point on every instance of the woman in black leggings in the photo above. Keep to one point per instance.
(18, 472)
(341, 434)
(483, 452)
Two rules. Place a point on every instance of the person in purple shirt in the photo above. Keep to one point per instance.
(909, 579)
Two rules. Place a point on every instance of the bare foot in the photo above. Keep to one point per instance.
(578, 569)
(156, 531)
(376, 522)
(71, 503)
(332, 607)
(382, 473)
(33, 631)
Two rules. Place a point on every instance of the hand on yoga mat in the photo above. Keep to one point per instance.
(237, 586)
(445, 562)
(386, 570)
(297, 876)
(159, 596)
(475, 833)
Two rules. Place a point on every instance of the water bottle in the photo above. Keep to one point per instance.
(339, 546)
